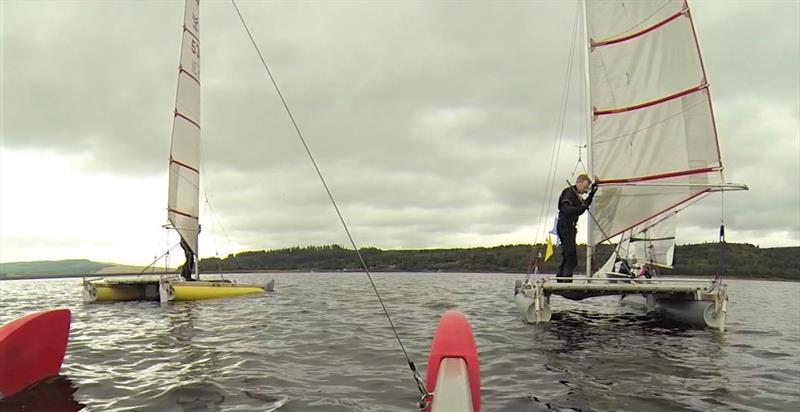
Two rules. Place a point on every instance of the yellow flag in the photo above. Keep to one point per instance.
(548, 253)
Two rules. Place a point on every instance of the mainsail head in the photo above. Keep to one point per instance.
(653, 140)
(184, 158)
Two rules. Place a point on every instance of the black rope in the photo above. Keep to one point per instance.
(417, 378)
(722, 243)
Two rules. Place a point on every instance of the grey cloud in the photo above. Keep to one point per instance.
(432, 121)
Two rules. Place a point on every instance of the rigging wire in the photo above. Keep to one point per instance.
(417, 378)
(159, 258)
(722, 243)
(215, 220)
(544, 211)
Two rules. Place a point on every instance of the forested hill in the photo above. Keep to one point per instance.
(742, 260)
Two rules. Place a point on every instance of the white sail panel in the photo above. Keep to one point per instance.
(185, 143)
(652, 242)
(187, 102)
(618, 209)
(190, 55)
(639, 71)
(183, 210)
(184, 169)
(618, 19)
(653, 143)
(191, 17)
(673, 137)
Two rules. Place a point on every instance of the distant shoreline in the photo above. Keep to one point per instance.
(735, 260)
(335, 272)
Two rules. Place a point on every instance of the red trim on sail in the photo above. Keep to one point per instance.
(187, 119)
(692, 197)
(652, 102)
(171, 160)
(182, 70)
(639, 33)
(660, 176)
(183, 214)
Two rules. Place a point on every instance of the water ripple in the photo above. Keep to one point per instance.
(321, 343)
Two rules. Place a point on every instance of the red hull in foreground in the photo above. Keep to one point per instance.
(32, 348)
(453, 364)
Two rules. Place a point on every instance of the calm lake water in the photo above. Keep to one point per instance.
(321, 343)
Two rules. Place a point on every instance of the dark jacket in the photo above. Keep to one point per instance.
(570, 207)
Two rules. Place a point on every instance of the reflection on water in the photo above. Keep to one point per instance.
(53, 394)
(321, 343)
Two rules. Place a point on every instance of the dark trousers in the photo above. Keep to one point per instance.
(569, 251)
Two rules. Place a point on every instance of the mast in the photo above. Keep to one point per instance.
(587, 50)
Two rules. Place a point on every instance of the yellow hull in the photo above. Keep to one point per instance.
(211, 290)
(166, 291)
(121, 294)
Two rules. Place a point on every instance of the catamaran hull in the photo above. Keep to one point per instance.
(534, 308)
(690, 302)
(699, 313)
(32, 348)
(167, 290)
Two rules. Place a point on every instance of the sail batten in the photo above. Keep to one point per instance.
(638, 106)
(678, 173)
(183, 205)
(612, 41)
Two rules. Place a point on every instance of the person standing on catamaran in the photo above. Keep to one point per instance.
(188, 268)
(570, 207)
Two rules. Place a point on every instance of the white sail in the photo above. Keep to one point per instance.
(184, 159)
(652, 242)
(653, 141)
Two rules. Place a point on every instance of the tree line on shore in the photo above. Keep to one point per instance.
(738, 260)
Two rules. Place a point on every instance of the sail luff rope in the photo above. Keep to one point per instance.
(419, 382)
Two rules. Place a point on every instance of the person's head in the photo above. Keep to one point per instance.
(582, 184)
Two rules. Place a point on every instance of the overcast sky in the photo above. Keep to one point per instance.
(433, 123)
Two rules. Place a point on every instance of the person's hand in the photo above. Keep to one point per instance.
(594, 187)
